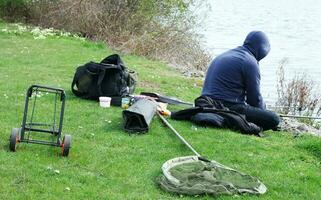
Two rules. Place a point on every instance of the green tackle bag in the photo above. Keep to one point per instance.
(139, 115)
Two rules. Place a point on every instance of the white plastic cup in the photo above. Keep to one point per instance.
(104, 102)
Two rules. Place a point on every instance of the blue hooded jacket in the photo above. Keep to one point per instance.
(234, 76)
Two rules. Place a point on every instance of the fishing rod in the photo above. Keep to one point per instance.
(292, 108)
(289, 107)
(298, 116)
(292, 116)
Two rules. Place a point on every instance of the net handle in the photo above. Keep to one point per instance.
(180, 137)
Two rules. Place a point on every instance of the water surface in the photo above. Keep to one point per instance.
(293, 27)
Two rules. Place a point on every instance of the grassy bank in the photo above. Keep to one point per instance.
(107, 163)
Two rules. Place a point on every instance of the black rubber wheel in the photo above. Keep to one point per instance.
(14, 139)
(66, 145)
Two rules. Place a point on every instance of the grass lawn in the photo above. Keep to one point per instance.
(107, 163)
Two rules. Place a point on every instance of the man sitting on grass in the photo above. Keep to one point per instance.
(233, 79)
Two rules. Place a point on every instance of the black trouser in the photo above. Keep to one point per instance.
(263, 118)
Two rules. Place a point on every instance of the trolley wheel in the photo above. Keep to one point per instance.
(66, 144)
(14, 139)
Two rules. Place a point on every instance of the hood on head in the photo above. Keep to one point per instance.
(258, 43)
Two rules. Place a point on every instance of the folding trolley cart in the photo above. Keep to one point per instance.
(38, 100)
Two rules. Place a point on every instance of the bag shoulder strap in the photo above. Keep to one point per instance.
(109, 66)
(91, 68)
(114, 60)
(79, 72)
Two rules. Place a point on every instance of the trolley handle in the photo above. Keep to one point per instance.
(50, 89)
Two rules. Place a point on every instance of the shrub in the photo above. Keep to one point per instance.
(13, 10)
(298, 95)
(156, 29)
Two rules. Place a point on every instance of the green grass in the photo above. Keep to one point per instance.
(107, 163)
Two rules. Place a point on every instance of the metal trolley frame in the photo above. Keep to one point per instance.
(22, 134)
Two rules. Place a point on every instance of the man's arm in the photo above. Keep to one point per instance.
(252, 83)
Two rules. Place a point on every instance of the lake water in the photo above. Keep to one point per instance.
(293, 27)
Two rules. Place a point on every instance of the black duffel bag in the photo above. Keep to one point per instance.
(109, 78)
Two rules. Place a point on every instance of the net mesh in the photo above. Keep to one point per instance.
(188, 175)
